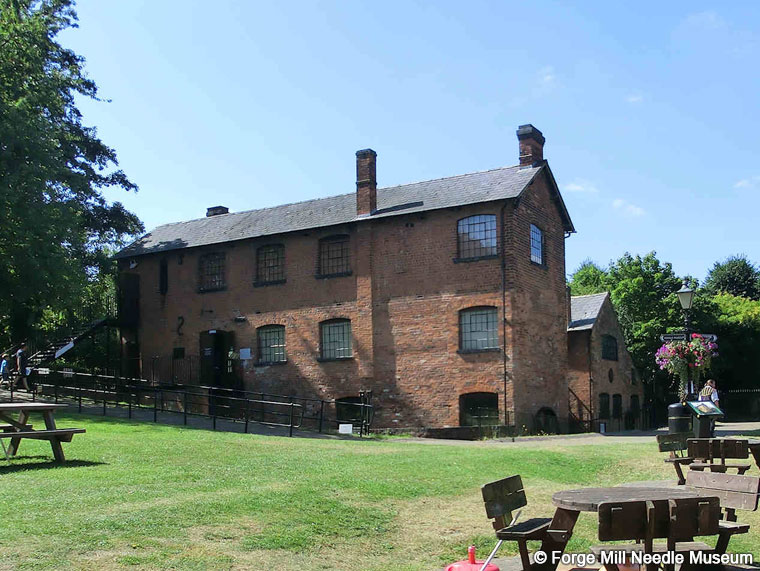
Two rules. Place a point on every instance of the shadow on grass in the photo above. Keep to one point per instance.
(46, 465)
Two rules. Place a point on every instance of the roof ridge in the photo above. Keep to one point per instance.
(590, 294)
(454, 176)
(334, 196)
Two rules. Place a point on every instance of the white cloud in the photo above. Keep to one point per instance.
(627, 208)
(546, 75)
(751, 183)
(634, 98)
(581, 186)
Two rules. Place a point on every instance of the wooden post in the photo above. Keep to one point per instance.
(155, 405)
(184, 406)
(291, 417)
(321, 413)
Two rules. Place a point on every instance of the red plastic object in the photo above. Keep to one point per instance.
(470, 564)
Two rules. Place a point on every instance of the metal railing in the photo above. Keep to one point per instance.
(246, 407)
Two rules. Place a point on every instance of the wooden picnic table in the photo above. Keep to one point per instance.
(570, 503)
(17, 428)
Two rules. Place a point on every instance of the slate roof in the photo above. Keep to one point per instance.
(485, 186)
(584, 309)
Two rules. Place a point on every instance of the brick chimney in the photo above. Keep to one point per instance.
(366, 182)
(216, 210)
(531, 145)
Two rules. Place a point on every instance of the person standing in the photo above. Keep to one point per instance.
(22, 360)
(4, 372)
(710, 393)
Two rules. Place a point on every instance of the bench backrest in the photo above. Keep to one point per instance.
(673, 442)
(735, 492)
(501, 498)
(680, 519)
(718, 448)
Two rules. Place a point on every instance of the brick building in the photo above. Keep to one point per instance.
(604, 385)
(445, 298)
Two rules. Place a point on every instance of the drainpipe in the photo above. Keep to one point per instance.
(504, 309)
(590, 382)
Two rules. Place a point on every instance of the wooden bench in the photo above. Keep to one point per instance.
(10, 427)
(55, 436)
(679, 521)
(676, 445)
(501, 498)
(706, 451)
(735, 493)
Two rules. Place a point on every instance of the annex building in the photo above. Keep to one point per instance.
(445, 298)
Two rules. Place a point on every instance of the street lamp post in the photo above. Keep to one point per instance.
(686, 298)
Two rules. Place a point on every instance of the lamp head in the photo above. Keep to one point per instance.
(685, 296)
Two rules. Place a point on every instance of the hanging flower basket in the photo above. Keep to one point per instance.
(681, 357)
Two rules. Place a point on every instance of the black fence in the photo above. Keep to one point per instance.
(246, 407)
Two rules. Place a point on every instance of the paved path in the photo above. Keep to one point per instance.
(225, 425)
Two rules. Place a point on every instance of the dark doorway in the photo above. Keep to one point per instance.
(546, 421)
(479, 409)
(217, 364)
(129, 300)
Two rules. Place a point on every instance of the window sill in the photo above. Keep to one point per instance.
(472, 351)
(331, 359)
(475, 259)
(542, 265)
(336, 275)
(265, 284)
(212, 290)
(270, 363)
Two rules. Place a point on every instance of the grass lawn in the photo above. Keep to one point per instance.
(139, 495)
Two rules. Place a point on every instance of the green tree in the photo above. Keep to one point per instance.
(737, 324)
(56, 226)
(588, 278)
(735, 276)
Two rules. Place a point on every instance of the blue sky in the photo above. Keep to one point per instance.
(650, 110)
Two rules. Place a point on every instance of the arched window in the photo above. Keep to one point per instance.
(478, 329)
(604, 406)
(476, 236)
(335, 339)
(609, 348)
(270, 264)
(478, 409)
(334, 256)
(271, 344)
(617, 406)
(348, 409)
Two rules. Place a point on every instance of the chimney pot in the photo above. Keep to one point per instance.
(531, 145)
(366, 182)
(216, 210)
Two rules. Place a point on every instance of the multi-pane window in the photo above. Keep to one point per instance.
(478, 329)
(609, 348)
(476, 236)
(604, 406)
(270, 264)
(635, 406)
(536, 244)
(211, 272)
(334, 256)
(617, 406)
(335, 339)
(271, 343)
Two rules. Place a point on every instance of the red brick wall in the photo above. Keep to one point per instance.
(579, 356)
(403, 299)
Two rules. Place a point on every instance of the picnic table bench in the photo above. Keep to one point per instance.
(735, 492)
(17, 429)
(712, 453)
(676, 445)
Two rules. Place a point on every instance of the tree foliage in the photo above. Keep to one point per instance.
(57, 227)
(735, 276)
(588, 278)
